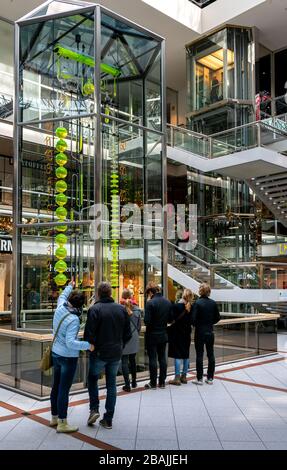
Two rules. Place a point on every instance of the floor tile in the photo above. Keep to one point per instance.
(123, 444)
(152, 444)
(185, 444)
(197, 433)
(276, 445)
(156, 432)
(273, 434)
(240, 445)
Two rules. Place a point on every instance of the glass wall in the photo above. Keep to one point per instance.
(220, 70)
(91, 135)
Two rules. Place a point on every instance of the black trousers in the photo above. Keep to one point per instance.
(157, 353)
(200, 340)
(129, 365)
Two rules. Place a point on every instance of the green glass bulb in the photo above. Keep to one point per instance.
(61, 159)
(61, 172)
(61, 132)
(61, 199)
(61, 253)
(61, 266)
(61, 186)
(61, 228)
(61, 145)
(61, 239)
(60, 279)
(61, 213)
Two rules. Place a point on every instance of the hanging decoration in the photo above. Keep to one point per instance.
(61, 201)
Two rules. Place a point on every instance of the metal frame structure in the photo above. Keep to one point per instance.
(97, 116)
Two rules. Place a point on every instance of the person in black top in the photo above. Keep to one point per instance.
(179, 336)
(108, 329)
(205, 314)
(158, 313)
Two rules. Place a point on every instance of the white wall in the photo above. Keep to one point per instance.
(222, 11)
(182, 11)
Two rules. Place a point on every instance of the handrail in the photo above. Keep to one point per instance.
(190, 131)
(43, 338)
(243, 264)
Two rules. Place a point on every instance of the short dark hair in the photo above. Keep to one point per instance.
(77, 299)
(104, 289)
(152, 288)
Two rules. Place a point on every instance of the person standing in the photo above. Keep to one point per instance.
(179, 336)
(131, 348)
(65, 353)
(158, 313)
(205, 314)
(108, 328)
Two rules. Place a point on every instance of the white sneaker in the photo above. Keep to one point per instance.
(197, 382)
(209, 381)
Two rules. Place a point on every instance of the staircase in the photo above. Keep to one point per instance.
(272, 191)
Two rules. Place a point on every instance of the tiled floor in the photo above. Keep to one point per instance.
(246, 409)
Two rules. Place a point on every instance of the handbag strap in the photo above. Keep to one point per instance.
(58, 327)
(180, 316)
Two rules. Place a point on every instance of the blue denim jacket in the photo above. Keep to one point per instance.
(66, 343)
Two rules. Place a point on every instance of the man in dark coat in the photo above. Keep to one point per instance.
(158, 313)
(205, 314)
(108, 329)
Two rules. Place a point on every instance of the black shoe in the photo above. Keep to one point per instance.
(149, 386)
(94, 415)
(161, 385)
(134, 384)
(126, 388)
(106, 424)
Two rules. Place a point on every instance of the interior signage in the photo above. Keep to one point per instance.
(6, 245)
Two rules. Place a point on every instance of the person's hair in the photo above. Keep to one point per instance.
(188, 298)
(204, 290)
(126, 301)
(126, 294)
(77, 299)
(104, 290)
(152, 288)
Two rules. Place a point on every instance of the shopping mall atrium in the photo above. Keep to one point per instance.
(109, 111)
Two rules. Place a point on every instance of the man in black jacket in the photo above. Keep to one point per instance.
(158, 313)
(108, 329)
(205, 314)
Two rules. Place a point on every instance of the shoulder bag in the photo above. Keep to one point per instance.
(46, 361)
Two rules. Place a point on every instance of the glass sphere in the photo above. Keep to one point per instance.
(61, 239)
(60, 279)
(61, 172)
(61, 199)
(61, 266)
(61, 132)
(61, 145)
(61, 186)
(61, 159)
(61, 252)
(61, 228)
(61, 213)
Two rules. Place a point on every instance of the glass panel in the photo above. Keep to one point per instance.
(50, 257)
(153, 163)
(132, 54)
(57, 165)
(57, 67)
(6, 71)
(153, 104)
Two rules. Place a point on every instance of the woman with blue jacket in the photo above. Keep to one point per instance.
(65, 353)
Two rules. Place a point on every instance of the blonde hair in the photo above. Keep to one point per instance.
(204, 290)
(188, 298)
(126, 301)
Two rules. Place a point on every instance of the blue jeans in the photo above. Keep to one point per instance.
(185, 366)
(63, 375)
(96, 366)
